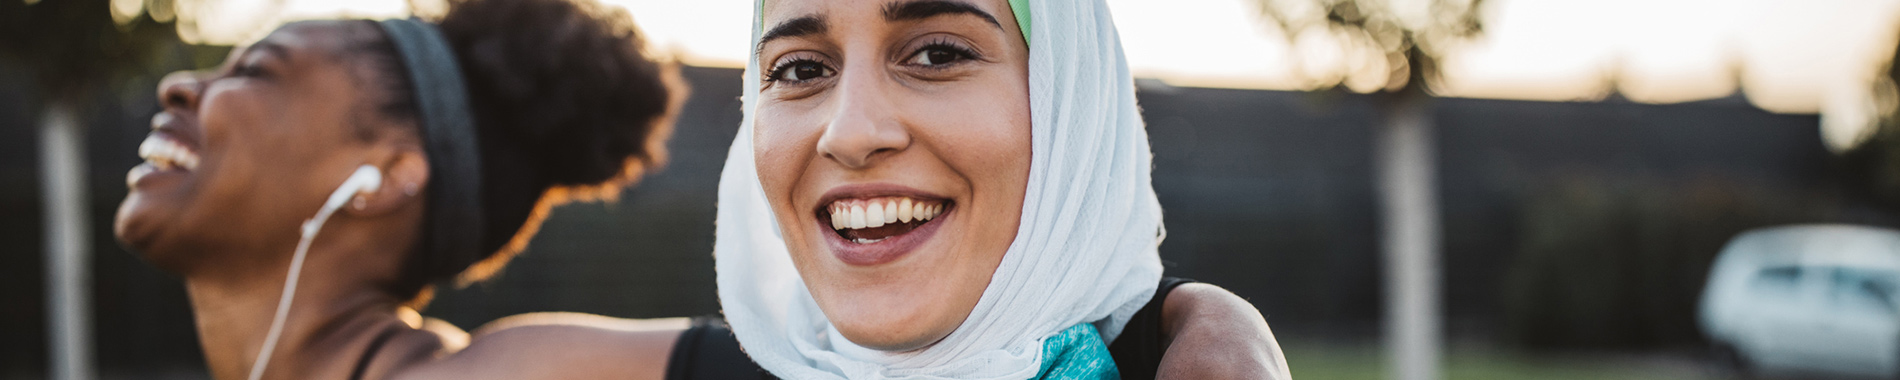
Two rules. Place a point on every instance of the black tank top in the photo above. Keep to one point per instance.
(709, 351)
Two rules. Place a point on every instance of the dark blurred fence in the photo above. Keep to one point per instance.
(1592, 225)
(1567, 224)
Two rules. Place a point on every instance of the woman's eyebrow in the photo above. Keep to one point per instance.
(802, 26)
(264, 47)
(922, 9)
(897, 11)
(272, 48)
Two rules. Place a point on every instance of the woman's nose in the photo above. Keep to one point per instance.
(179, 91)
(866, 126)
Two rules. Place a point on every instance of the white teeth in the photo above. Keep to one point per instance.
(890, 212)
(147, 147)
(150, 149)
(189, 160)
(132, 176)
(905, 210)
(857, 217)
(164, 153)
(874, 215)
(838, 218)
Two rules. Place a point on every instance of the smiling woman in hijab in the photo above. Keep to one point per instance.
(955, 189)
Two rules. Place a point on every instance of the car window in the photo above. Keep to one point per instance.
(1864, 290)
(1776, 281)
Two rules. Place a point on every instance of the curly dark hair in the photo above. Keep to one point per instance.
(567, 105)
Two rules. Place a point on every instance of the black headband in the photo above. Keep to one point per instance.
(454, 222)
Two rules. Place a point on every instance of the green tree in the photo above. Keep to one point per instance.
(1387, 47)
(1872, 168)
(1391, 49)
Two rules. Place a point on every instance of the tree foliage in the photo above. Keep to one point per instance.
(1872, 168)
(71, 47)
(1373, 46)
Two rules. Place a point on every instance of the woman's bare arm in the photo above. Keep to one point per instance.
(1213, 334)
(1210, 332)
(559, 346)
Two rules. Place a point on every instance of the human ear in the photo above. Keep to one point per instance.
(405, 175)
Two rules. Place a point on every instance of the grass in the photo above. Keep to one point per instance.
(1336, 361)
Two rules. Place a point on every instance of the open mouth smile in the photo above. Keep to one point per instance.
(866, 221)
(162, 154)
(875, 229)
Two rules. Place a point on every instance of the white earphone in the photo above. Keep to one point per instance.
(366, 179)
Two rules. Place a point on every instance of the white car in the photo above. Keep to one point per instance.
(1810, 298)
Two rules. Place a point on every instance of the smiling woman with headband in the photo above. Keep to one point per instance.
(455, 137)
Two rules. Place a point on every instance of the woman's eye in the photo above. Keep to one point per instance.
(246, 70)
(800, 71)
(937, 55)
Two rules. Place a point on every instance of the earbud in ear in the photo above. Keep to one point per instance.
(366, 179)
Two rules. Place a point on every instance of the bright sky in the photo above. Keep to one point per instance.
(1793, 55)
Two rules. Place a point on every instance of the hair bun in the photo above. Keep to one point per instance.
(567, 105)
(566, 86)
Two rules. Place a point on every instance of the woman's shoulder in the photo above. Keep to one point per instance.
(1210, 332)
(1143, 341)
(560, 345)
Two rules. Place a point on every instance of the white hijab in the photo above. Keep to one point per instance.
(1085, 251)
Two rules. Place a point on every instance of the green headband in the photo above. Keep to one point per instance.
(1021, 9)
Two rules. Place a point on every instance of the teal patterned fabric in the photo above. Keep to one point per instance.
(1077, 353)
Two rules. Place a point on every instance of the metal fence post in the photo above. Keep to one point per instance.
(68, 245)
